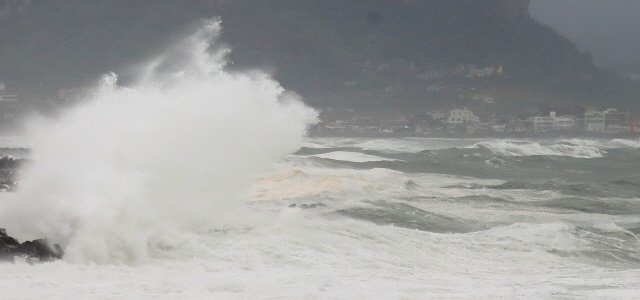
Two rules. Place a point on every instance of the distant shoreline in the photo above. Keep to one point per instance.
(504, 135)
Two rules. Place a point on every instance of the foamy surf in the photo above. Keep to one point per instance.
(352, 157)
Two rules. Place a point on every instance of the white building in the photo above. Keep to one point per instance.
(544, 124)
(553, 123)
(565, 123)
(460, 117)
(438, 115)
(594, 121)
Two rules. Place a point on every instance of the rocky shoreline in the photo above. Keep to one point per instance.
(32, 251)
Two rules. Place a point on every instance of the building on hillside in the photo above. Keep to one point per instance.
(461, 117)
(438, 115)
(481, 72)
(544, 124)
(616, 121)
(484, 98)
(594, 121)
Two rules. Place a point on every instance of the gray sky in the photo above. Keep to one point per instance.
(608, 29)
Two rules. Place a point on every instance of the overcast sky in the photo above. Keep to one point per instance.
(608, 29)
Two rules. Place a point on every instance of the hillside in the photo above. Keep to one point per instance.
(380, 53)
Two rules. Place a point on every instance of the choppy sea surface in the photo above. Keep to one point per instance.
(408, 218)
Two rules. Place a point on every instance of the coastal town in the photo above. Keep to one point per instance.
(484, 118)
(463, 121)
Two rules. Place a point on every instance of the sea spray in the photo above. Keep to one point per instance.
(175, 152)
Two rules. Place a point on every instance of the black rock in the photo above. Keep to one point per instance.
(9, 241)
(304, 206)
(36, 250)
(6, 254)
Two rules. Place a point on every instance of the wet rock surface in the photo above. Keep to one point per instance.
(33, 251)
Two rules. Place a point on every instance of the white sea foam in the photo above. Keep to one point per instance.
(521, 148)
(286, 181)
(352, 156)
(313, 145)
(176, 151)
(302, 257)
(406, 145)
(576, 147)
(627, 143)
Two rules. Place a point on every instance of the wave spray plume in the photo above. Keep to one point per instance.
(177, 151)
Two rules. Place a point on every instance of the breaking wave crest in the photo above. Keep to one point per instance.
(176, 151)
(512, 148)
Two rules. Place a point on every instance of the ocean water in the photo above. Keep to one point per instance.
(197, 183)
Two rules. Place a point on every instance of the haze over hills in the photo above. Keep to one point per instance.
(607, 29)
(385, 54)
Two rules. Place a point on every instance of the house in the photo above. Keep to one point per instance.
(565, 123)
(544, 124)
(616, 121)
(594, 121)
(461, 117)
(438, 115)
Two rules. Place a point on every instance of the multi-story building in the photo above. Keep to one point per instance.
(461, 117)
(553, 123)
(616, 121)
(594, 121)
(565, 123)
(544, 124)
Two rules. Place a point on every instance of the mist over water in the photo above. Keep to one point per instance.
(175, 152)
